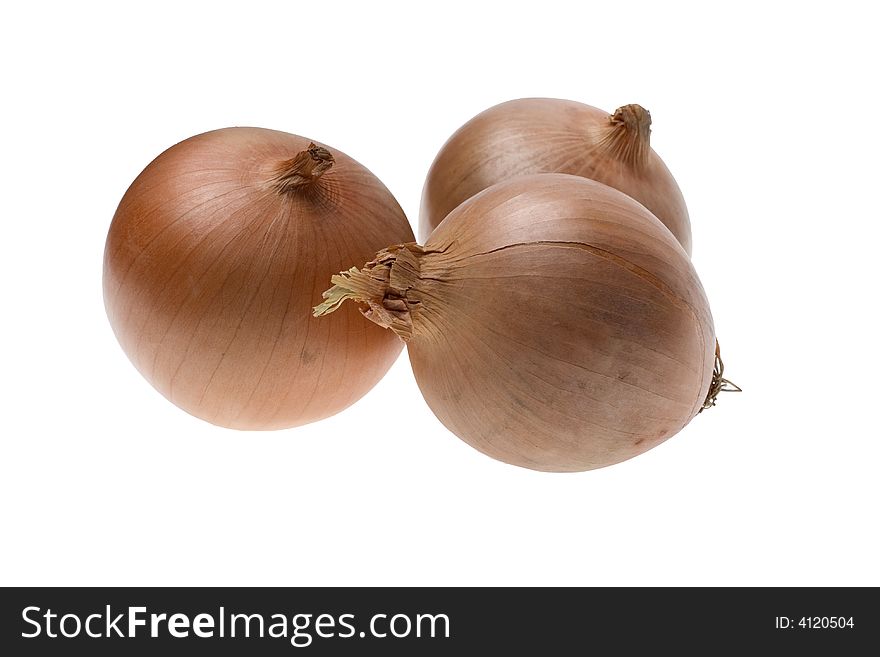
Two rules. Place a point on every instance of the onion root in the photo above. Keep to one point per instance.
(719, 383)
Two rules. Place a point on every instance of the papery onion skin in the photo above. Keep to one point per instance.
(552, 322)
(547, 135)
(213, 260)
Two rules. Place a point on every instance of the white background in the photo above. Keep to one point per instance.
(766, 114)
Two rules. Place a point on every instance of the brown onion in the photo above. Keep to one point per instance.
(546, 135)
(214, 258)
(552, 322)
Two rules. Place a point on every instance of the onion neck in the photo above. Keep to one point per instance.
(302, 170)
(627, 136)
(382, 284)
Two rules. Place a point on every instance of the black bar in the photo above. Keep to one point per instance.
(541, 621)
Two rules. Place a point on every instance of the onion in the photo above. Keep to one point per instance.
(213, 260)
(552, 322)
(545, 135)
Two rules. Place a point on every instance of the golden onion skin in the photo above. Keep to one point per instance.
(213, 260)
(548, 135)
(552, 322)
